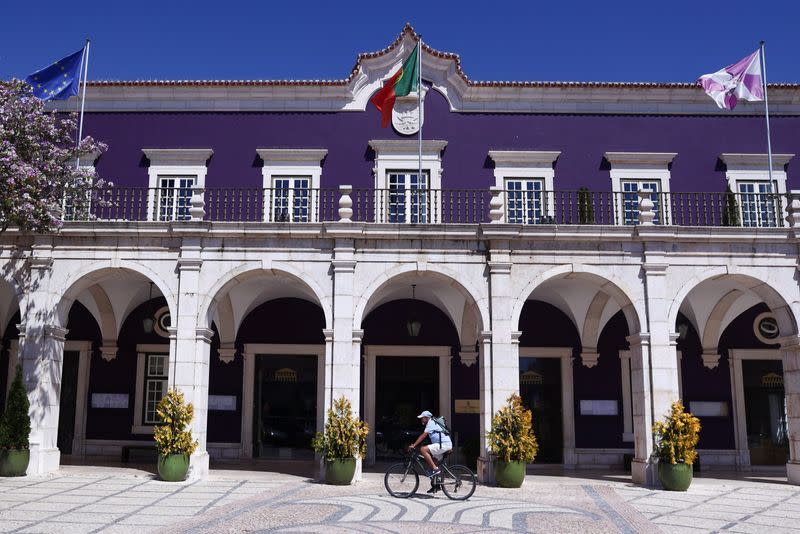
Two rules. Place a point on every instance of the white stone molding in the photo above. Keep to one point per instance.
(590, 357)
(138, 405)
(251, 351)
(291, 163)
(735, 357)
(793, 209)
(710, 359)
(468, 358)
(371, 353)
(108, 351)
(189, 162)
(227, 353)
(641, 166)
(567, 395)
(526, 164)
(627, 399)
(403, 155)
(84, 350)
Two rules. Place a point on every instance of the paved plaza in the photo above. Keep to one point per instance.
(111, 500)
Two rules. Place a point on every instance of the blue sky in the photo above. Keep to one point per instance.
(529, 40)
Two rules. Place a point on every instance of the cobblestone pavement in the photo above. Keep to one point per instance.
(109, 500)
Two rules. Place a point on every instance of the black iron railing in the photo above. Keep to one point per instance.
(429, 206)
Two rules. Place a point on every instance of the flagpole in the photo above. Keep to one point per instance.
(419, 108)
(766, 109)
(85, 65)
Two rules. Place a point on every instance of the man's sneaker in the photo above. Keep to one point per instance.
(435, 473)
(434, 489)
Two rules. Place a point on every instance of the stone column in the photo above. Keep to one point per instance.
(188, 371)
(41, 352)
(654, 370)
(790, 352)
(499, 372)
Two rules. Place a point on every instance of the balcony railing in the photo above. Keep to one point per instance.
(428, 206)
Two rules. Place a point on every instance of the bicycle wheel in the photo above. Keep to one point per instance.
(401, 481)
(458, 482)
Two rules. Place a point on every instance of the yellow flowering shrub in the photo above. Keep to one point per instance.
(174, 416)
(511, 438)
(676, 438)
(345, 436)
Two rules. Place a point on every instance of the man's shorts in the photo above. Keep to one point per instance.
(437, 451)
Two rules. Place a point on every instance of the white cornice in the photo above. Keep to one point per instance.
(178, 156)
(640, 159)
(430, 147)
(754, 161)
(292, 155)
(523, 158)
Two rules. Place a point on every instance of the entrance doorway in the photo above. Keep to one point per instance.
(69, 397)
(285, 406)
(404, 387)
(765, 412)
(540, 389)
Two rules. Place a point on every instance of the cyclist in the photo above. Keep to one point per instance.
(440, 444)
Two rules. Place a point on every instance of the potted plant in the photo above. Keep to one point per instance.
(675, 442)
(512, 442)
(15, 428)
(585, 206)
(343, 440)
(173, 442)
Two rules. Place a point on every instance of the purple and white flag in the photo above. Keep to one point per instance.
(740, 80)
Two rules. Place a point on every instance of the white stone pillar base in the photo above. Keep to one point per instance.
(486, 471)
(198, 465)
(793, 472)
(43, 461)
(645, 472)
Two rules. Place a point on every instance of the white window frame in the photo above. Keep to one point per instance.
(393, 156)
(526, 165)
(173, 163)
(641, 166)
(754, 168)
(139, 426)
(291, 163)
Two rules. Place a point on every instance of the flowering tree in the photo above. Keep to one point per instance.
(38, 172)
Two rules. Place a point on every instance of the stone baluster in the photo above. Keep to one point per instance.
(646, 205)
(345, 203)
(496, 204)
(793, 209)
(197, 211)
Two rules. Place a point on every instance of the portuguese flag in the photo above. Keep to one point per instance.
(403, 82)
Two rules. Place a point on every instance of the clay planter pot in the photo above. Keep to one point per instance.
(14, 462)
(173, 467)
(340, 472)
(509, 474)
(677, 477)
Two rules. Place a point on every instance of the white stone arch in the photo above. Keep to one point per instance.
(592, 326)
(371, 294)
(81, 280)
(221, 288)
(713, 328)
(106, 318)
(748, 281)
(605, 281)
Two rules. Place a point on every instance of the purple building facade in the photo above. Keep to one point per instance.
(601, 248)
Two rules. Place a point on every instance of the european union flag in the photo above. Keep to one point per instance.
(58, 81)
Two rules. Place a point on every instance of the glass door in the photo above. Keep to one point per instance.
(285, 411)
(404, 387)
(765, 411)
(540, 389)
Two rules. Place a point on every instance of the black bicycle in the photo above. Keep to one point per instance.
(402, 480)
